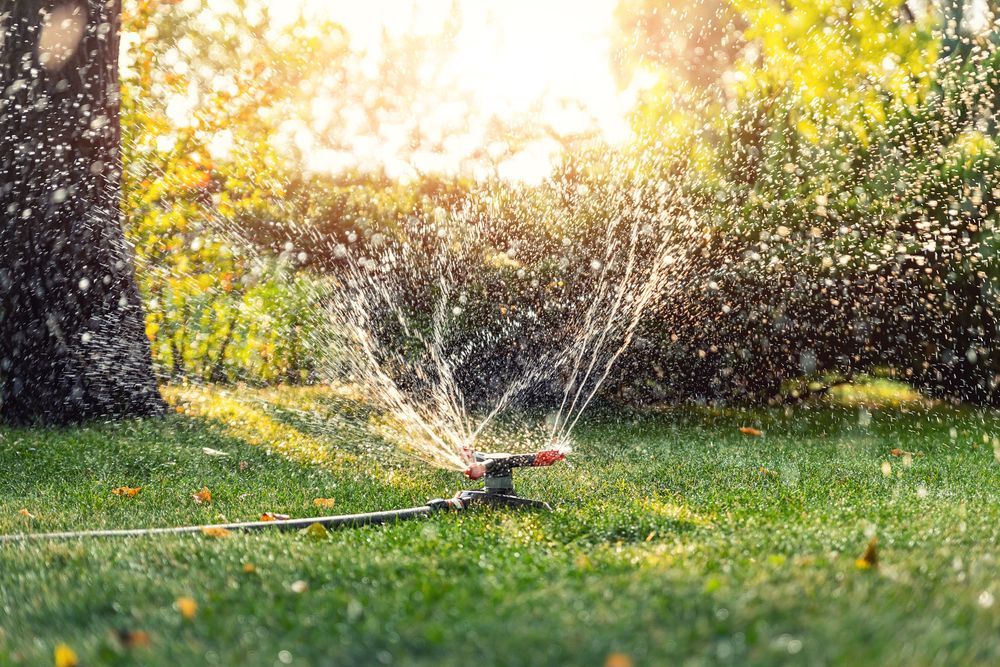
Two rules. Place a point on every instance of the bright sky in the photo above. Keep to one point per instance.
(510, 57)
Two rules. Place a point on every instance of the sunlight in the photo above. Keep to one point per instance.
(541, 64)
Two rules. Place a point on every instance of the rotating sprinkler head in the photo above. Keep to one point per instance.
(497, 473)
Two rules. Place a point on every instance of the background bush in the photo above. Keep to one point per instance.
(840, 158)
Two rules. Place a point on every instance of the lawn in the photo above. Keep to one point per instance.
(675, 538)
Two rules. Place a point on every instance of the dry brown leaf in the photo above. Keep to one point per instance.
(65, 656)
(902, 452)
(271, 516)
(323, 502)
(187, 607)
(215, 531)
(202, 497)
(25, 513)
(134, 638)
(128, 491)
(249, 568)
(869, 559)
(751, 431)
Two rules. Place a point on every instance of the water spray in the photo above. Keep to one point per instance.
(496, 471)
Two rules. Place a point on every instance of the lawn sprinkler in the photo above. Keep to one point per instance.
(497, 473)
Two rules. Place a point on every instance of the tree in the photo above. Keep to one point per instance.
(71, 322)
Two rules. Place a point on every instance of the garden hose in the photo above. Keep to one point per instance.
(496, 469)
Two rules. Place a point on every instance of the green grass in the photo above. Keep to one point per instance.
(667, 543)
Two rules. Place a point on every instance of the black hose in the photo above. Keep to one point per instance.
(348, 520)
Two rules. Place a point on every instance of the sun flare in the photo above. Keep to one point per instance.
(542, 64)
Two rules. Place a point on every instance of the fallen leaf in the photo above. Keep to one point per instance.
(249, 568)
(869, 559)
(244, 465)
(315, 530)
(187, 607)
(271, 516)
(202, 497)
(134, 638)
(764, 472)
(25, 513)
(323, 502)
(749, 430)
(65, 656)
(216, 531)
(208, 451)
(129, 491)
(618, 660)
(902, 452)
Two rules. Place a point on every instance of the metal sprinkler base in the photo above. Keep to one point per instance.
(504, 500)
(497, 473)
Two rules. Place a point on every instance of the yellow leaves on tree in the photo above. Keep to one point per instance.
(65, 656)
(127, 491)
(202, 497)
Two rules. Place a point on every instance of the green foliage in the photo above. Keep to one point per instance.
(851, 153)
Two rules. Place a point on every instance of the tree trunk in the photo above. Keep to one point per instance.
(72, 340)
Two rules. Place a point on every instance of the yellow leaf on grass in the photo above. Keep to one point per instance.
(65, 656)
(869, 559)
(618, 660)
(749, 430)
(203, 497)
(25, 513)
(249, 568)
(323, 502)
(272, 516)
(215, 531)
(187, 607)
(128, 491)
(315, 530)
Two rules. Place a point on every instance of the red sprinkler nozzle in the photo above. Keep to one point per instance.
(548, 457)
(475, 471)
